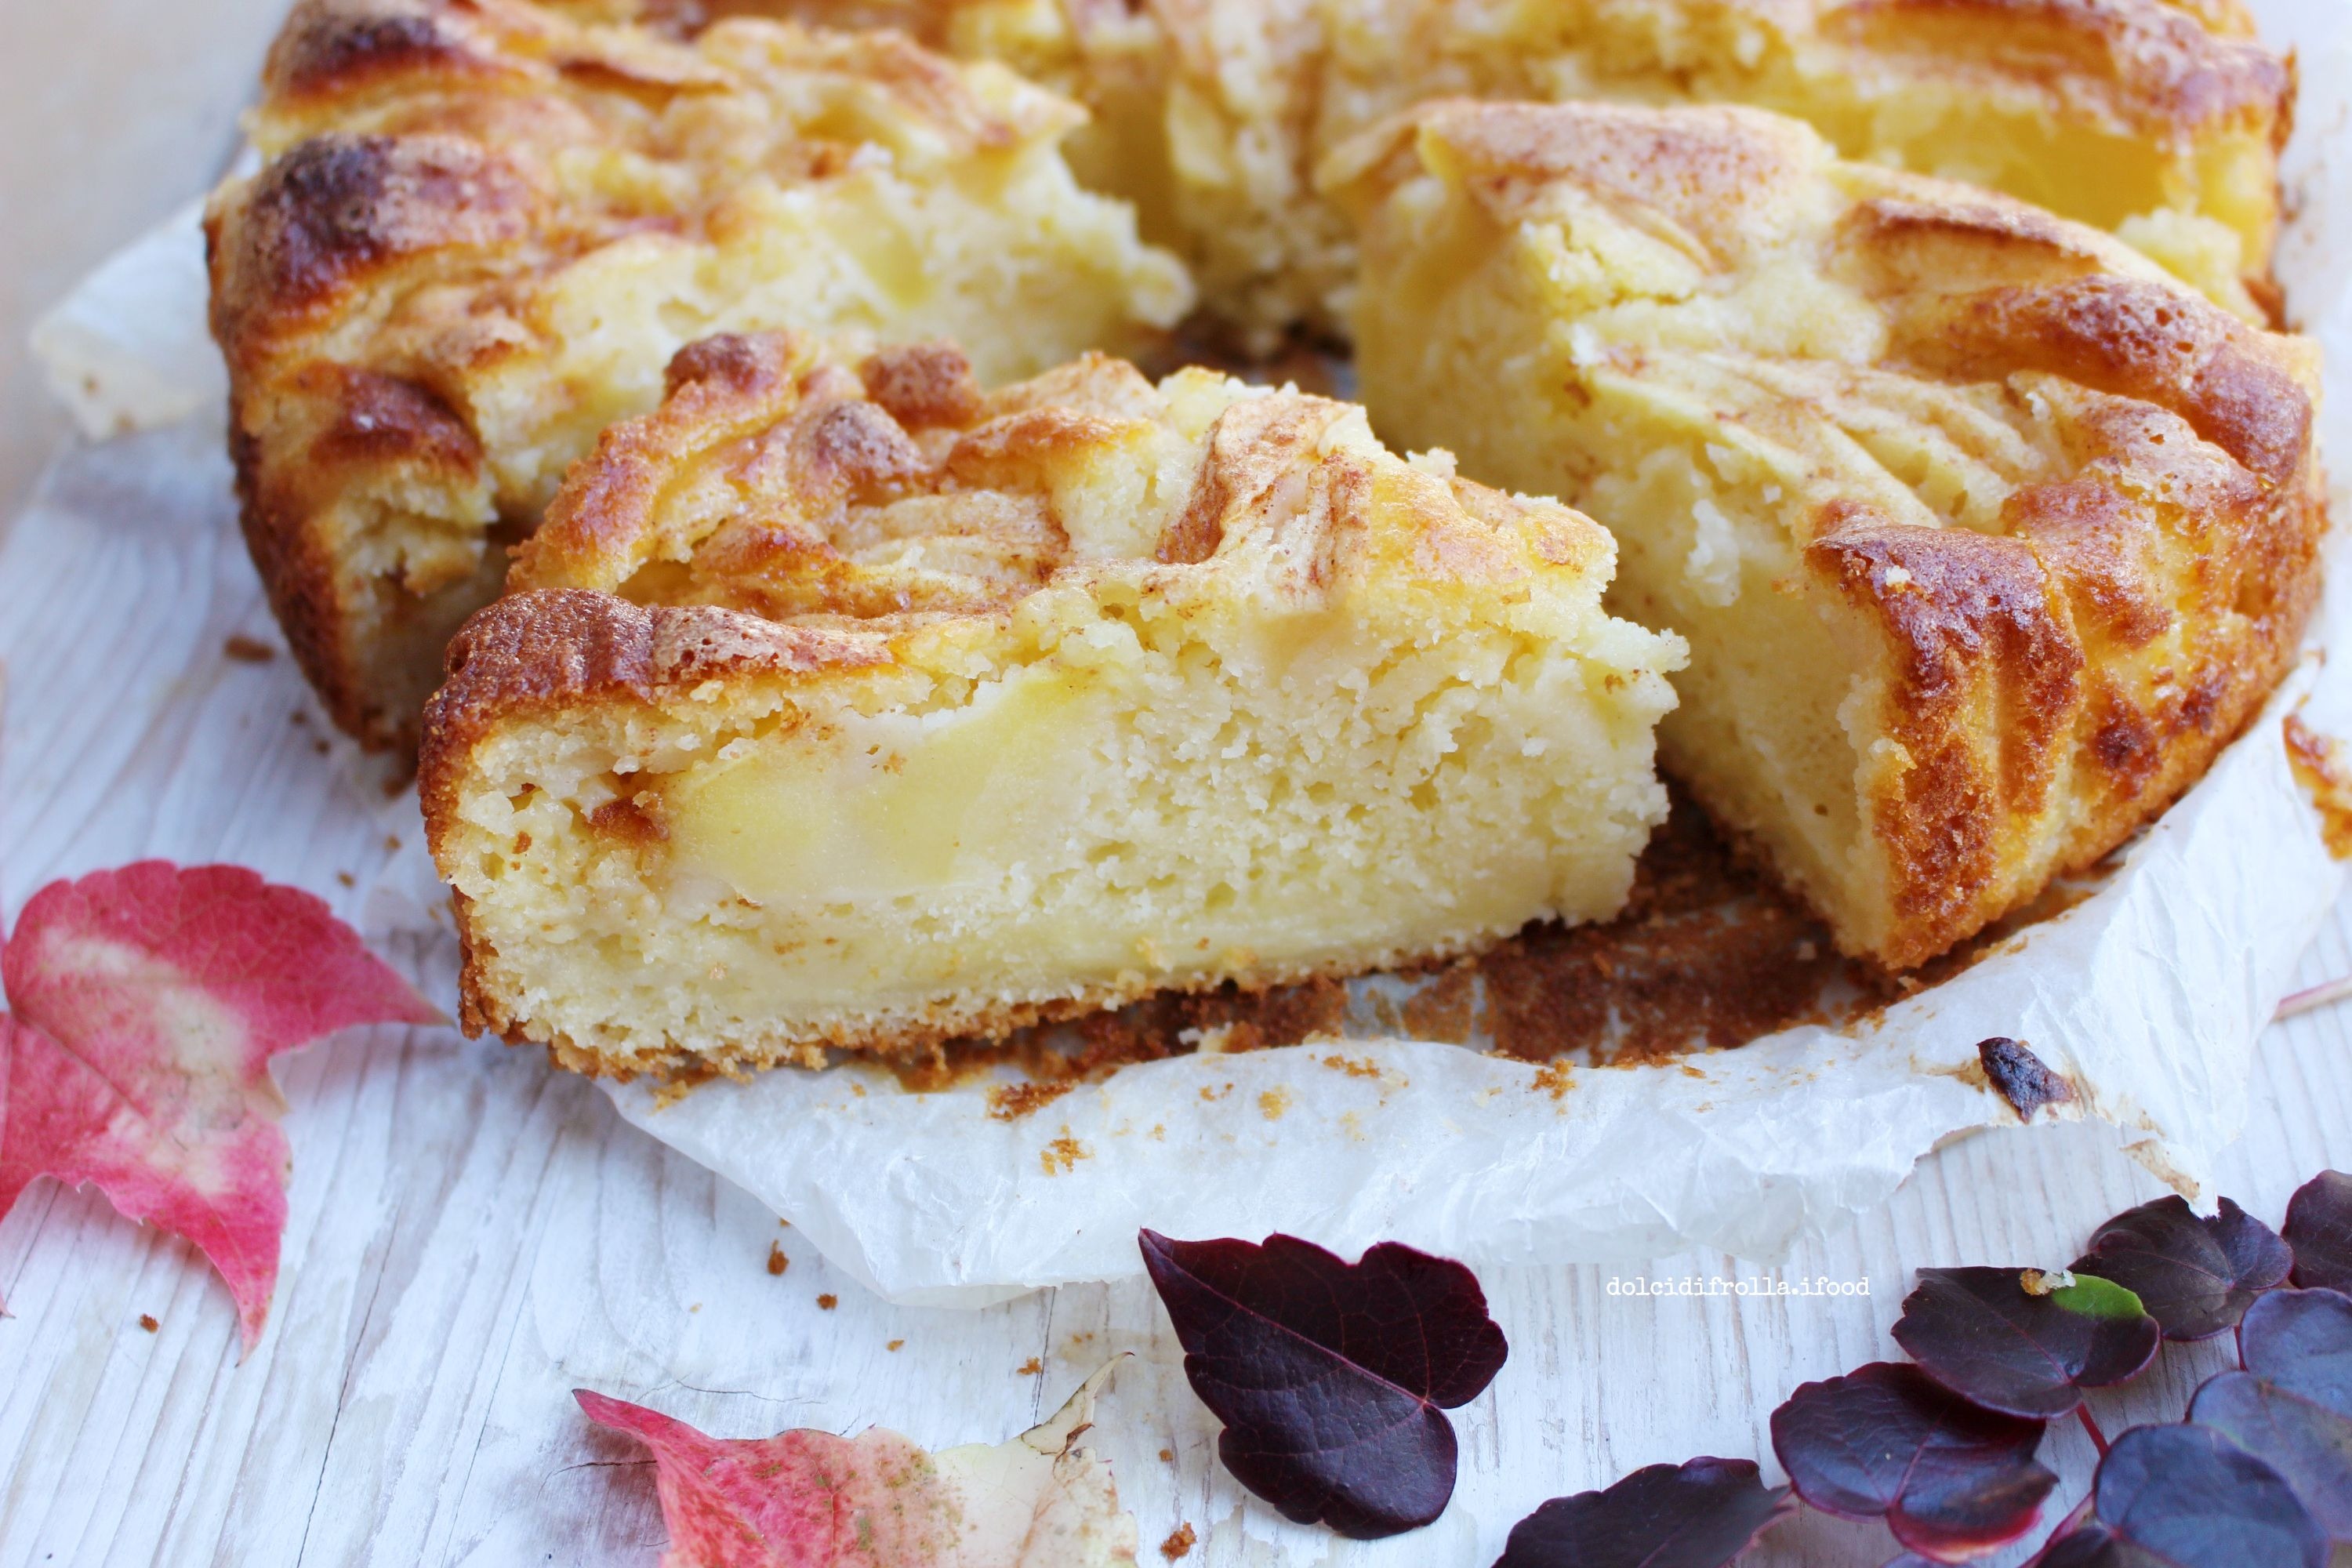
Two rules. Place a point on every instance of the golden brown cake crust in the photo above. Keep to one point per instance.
(542, 650)
(447, 182)
(2059, 677)
(801, 437)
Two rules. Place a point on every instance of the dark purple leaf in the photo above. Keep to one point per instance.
(1702, 1514)
(2301, 1340)
(2023, 1078)
(1951, 1479)
(2319, 1227)
(2291, 1407)
(2186, 1497)
(1330, 1376)
(2195, 1276)
(2068, 1537)
(2311, 1447)
(1983, 1336)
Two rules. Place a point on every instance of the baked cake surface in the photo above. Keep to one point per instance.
(2157, 120)
(485, 226)
(856, 708)
(1985, 533)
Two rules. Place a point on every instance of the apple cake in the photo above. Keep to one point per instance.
(850, 706)
(483, 228)
(2156, 119)
(1985, 533)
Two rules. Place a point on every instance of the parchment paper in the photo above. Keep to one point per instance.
(2147, 997)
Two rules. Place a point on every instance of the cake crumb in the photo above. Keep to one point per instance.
(827, 1302)
(1273, 1103)
(1445, 1009)
(895, 1344)
(147, 1321)
(1556, 1078)
(1063, 1154)
(1029, 1368)
(1011, 1101)
(247, 650)
(1179, 1543)
(1168, 1455)
(777, 1261)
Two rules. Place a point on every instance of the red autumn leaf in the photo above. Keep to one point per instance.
(812, 1499)
(147, 1003)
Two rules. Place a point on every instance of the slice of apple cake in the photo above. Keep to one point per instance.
(483, 228)
(1986, 534)
(856, 708)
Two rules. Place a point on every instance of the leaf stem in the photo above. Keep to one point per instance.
(2319, 995)
(2098, 1439)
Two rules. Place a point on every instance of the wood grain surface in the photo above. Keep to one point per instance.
(462, 1216)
